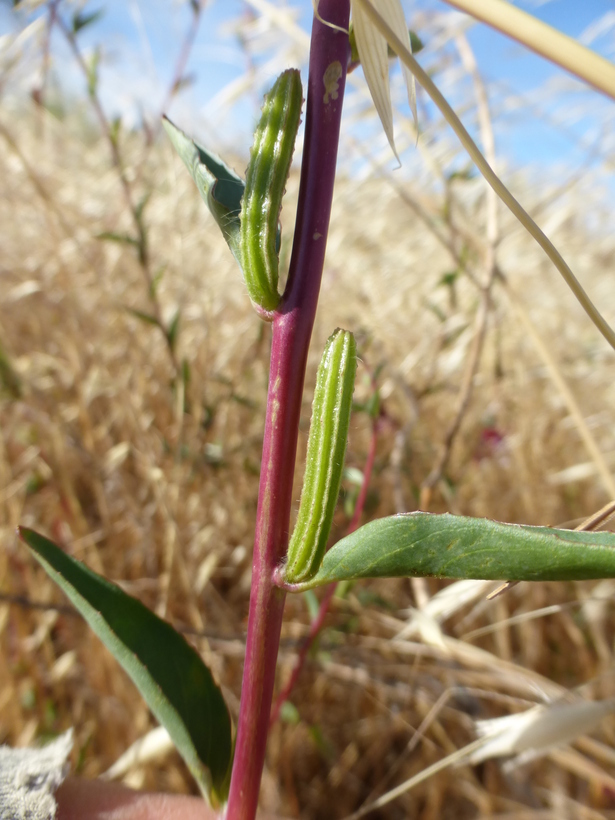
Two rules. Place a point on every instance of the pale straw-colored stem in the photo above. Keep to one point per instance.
(544, 40)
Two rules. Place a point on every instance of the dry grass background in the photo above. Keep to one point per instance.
(99, 451)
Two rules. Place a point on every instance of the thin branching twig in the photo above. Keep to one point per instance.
(135, 210)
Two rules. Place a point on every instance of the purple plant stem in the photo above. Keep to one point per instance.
(319, 621)
(292, 328)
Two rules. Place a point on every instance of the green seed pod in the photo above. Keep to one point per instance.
(325, 456)
(266, 175)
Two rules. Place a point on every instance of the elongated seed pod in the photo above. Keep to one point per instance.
(266, 175)
(325, 456)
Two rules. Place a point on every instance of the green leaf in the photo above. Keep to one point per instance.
(290, 714)
(416, 44)
(156, 279)
(449, 278)
(170, 675)
(173, 330)
(121, 238)
(183, 82)
(450, 546)
(354, 476)
(186, 375)
(82, 19)
(373, 405)
(312, 602)
(141, 207)
(464, 174)
(9, 380)
(148, 318)
(115, 126)
(219, 186)
(92, 75)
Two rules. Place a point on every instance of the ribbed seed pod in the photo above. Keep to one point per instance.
(325, 456)
(266, 175)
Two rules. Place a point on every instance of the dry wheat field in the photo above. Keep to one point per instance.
(140, 456)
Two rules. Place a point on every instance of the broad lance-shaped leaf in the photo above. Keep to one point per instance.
(220, 187)
(174, 681)
(450, 546)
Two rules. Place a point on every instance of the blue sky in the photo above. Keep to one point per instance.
(141, 38)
